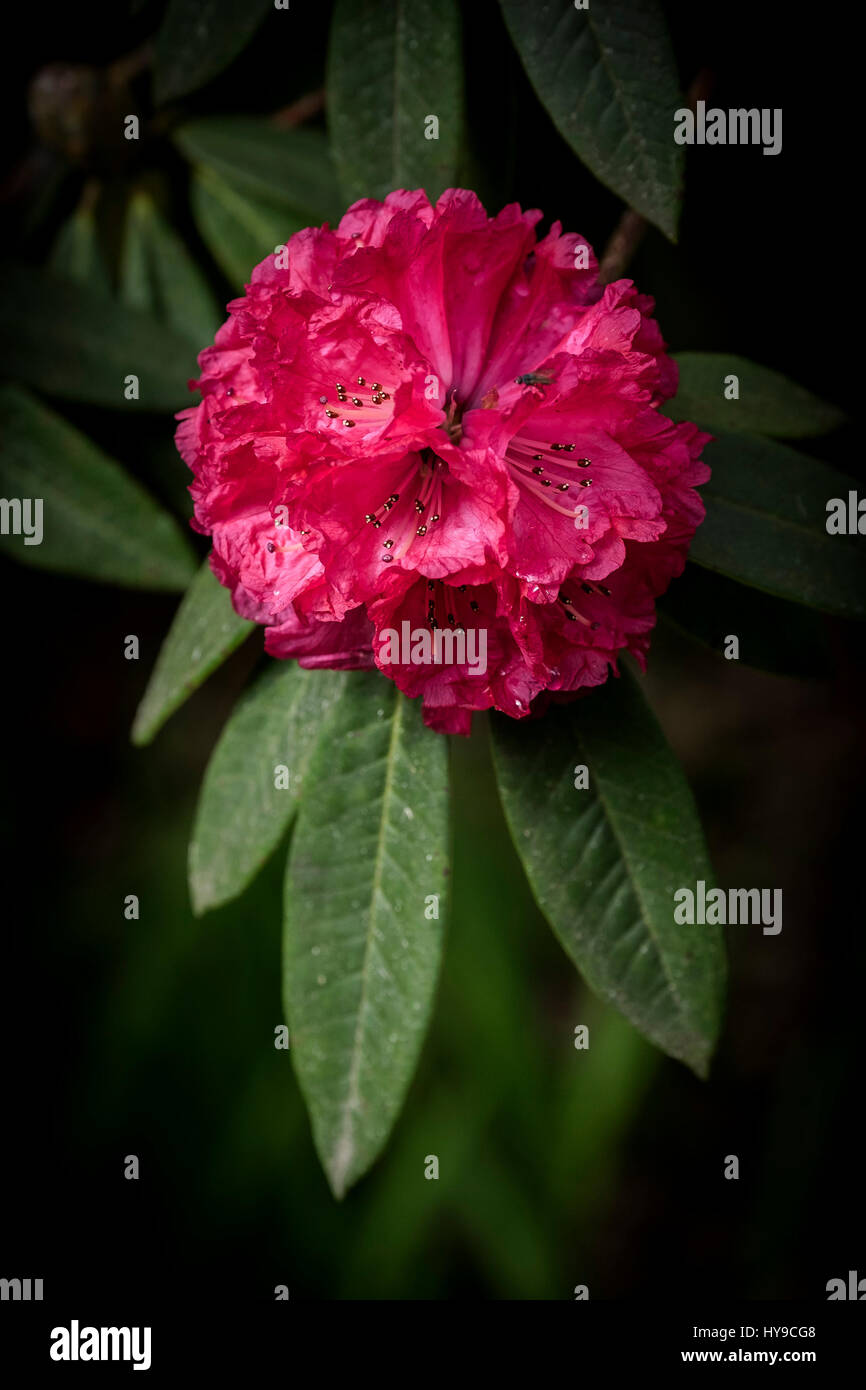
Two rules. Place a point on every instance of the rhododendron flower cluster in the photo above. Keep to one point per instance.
(429, 416)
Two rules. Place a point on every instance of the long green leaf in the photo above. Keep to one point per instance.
(239, 231)
(606, 75)
(287, 168)
(392, 65)
(97, 522)
(199, 39)
(361, 958)
(246, 805)
(604, 862)
(159, 276)
(67, 340)
(77, 253)
(767, 402)
(206, 629)
(766, 525)
(773, 635)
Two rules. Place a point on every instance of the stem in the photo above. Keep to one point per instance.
(625, 239)
(299, 111)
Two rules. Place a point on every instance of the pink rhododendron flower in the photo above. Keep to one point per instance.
(428, 417)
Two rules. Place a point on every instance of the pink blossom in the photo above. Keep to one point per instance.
(429, 415)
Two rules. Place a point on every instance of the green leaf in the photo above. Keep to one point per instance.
(67, 340)
(605, 862)
(238, 230)
(609, 82)
(242, 812)
(206, 629)
(159, 276)
(77, 253)
(774, 635)
(361, 959)
(97, 522)
(198, 40)
(766, 525)
(392, 64)
(768, 402)
(285, 168)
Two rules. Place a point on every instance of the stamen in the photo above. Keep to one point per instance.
(574, 615)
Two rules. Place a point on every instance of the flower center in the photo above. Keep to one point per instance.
(453, 418)
(446, 606)
(545, 469)
(569, 603)
(350, 403)
(411, 522)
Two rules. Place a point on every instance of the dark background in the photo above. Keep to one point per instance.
(557, 1167)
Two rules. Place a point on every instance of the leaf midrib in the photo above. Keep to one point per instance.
(645, 914)
(344, 1146)
(802, 527)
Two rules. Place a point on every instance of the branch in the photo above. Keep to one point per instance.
(299, 111)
